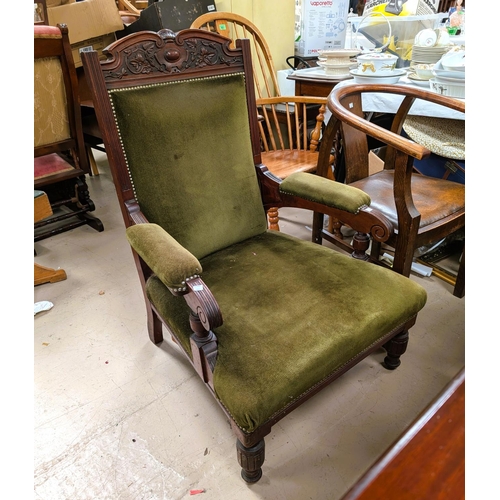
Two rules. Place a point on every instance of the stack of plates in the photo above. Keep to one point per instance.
(336, 69)
(427, 55)
(337, 62)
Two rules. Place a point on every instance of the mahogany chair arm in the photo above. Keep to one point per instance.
(339, 103)
(345, 203)
(179, 271)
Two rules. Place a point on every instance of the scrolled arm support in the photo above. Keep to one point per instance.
(345, 203)
(205, 315)
(203, 304)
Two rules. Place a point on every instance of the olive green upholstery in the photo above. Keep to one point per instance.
(268, 356)
(171, 262)
(185, 197)
(266, 319)
(319, 189)
(211, 210)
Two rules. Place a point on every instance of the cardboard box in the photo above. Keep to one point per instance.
(321, 25)
(56, 3)
(401, 8)
(175, 15)
(91, 24)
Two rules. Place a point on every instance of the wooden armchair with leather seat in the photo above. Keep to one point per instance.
(60, 159)
(250, 308)
(422, 209)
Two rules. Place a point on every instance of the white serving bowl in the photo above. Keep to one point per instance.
(454, 61)
(388, 78)
(376, 63)
(338, 53)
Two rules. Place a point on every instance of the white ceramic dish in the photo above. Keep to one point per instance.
(316, 73)
(360, 77)
(376, 63)
(443, 38)
(418, 81)
(426, 38)
(454, 61)
(423, 71)
(336, 69)
(448, 89)
(438, 70)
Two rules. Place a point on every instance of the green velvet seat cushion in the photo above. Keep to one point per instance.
(294, 312)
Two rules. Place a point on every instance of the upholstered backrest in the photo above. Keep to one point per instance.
(51, 115)
(188, 153)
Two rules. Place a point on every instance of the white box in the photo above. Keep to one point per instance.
(322, 25)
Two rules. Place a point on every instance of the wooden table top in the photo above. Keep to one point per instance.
(317, 87)
(428, 460)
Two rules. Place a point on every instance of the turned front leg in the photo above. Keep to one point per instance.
(251, 460)
(395, 348)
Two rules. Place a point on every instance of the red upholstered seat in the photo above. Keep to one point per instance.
(48, 165)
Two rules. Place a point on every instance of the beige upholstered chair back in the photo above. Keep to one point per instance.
(51, 116)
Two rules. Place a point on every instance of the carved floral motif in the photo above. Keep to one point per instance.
(150, 56)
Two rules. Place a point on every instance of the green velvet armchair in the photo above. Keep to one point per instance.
(274, 318)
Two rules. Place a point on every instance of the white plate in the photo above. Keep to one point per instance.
(317, 73)
(339, 52)
(392, 78)
(418, 81)
(438, 70)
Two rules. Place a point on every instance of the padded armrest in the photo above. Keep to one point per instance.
(169, 260)
(325, 191)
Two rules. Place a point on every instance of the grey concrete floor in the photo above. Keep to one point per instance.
(116, 417)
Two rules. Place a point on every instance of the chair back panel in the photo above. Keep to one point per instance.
(356, 155)
(181, 182)
(51, 115)
(169, 105)
(282, 127)
(57, 114)
(234, 26)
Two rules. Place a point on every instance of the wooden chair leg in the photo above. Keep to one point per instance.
(48, 275)
(459, 289)
(395, 348)
(251, 460)
(93, 164)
